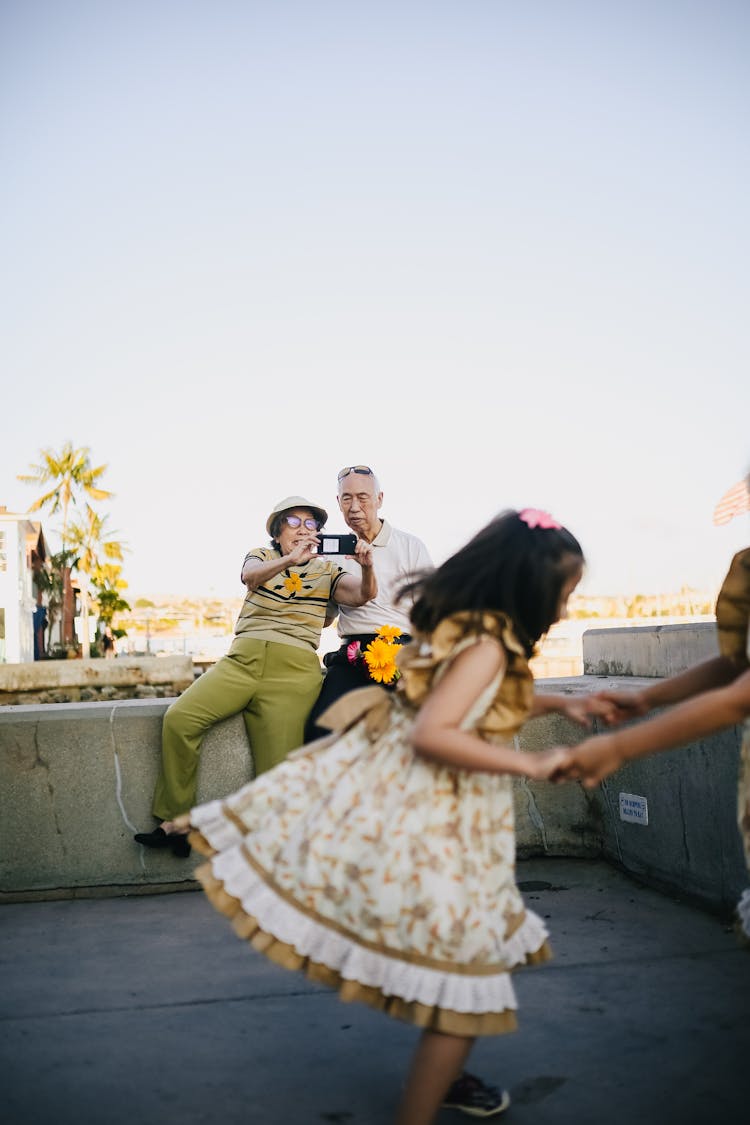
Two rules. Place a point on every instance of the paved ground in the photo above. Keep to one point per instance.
(148, 1011)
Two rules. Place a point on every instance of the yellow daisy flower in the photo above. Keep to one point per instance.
(388, 632)
(293, 583)
(380, 657)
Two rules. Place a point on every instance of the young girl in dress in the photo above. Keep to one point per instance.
(380, 859)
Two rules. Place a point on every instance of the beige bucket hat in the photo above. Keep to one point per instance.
(296, 502)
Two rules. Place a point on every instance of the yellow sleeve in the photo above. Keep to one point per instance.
(733, 609)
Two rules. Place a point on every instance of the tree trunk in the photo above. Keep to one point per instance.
(66, 610)
(85, 643)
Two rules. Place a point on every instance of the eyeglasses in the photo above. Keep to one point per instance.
(364, 470)
(295, 521)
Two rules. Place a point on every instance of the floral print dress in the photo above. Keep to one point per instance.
(382, 874)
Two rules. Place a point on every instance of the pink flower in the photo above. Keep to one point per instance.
(352, 652)
(536, 518)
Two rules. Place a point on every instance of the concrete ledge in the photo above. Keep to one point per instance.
(122, 672)
(76, 782)
(649, 650)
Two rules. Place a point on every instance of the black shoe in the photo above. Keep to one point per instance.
(156, 839)
(180, 845)
(177, 841)
(472, 1096)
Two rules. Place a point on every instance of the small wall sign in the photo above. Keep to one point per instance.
(633, 808)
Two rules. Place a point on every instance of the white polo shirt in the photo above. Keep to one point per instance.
(397, 558)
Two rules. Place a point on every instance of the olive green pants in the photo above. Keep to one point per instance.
(273, 685)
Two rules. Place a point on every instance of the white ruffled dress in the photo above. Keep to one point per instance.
(373, 870)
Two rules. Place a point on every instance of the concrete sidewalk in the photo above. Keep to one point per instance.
(148, 1011)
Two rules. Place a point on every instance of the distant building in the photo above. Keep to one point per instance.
(22, 614)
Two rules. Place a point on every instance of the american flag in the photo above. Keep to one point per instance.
(732, 503)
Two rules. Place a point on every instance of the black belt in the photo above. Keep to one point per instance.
(366, 638)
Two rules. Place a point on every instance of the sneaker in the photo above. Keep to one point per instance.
(472, 1096)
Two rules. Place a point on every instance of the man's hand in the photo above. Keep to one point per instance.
(362, 553)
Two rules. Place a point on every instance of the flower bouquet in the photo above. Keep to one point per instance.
(379, 656)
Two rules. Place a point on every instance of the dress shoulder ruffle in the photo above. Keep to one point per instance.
(733, 609)
(422, 664)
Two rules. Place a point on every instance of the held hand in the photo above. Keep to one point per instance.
(582, 709)
(546, 764)
(590, 762)
(624, 705)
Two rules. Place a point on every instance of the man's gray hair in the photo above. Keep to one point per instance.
(370, 476)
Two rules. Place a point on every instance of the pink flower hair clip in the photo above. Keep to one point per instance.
(533, 517)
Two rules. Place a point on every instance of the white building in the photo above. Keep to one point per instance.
(22, 548)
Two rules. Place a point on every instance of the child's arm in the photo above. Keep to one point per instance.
(580, 708)
(709, 712)
(437, 735)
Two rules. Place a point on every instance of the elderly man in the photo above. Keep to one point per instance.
(397, 557)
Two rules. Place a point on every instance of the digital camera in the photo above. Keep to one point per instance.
(333, 544)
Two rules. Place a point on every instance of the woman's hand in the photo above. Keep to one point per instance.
(301, 553)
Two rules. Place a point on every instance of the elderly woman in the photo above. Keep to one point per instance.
(271, 673)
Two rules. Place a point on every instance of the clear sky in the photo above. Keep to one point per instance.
(497, 250)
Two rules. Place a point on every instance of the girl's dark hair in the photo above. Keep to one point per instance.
(508, 567)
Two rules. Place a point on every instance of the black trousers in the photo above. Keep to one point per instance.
(342, 676)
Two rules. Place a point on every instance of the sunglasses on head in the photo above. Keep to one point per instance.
(295, 521)
(365, 471)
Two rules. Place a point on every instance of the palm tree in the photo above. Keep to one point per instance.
(71, 473)
(87, 540)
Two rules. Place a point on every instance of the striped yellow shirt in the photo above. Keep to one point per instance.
(291, 607)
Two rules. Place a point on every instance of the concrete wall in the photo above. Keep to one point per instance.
(76, 783)
(691, 844)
